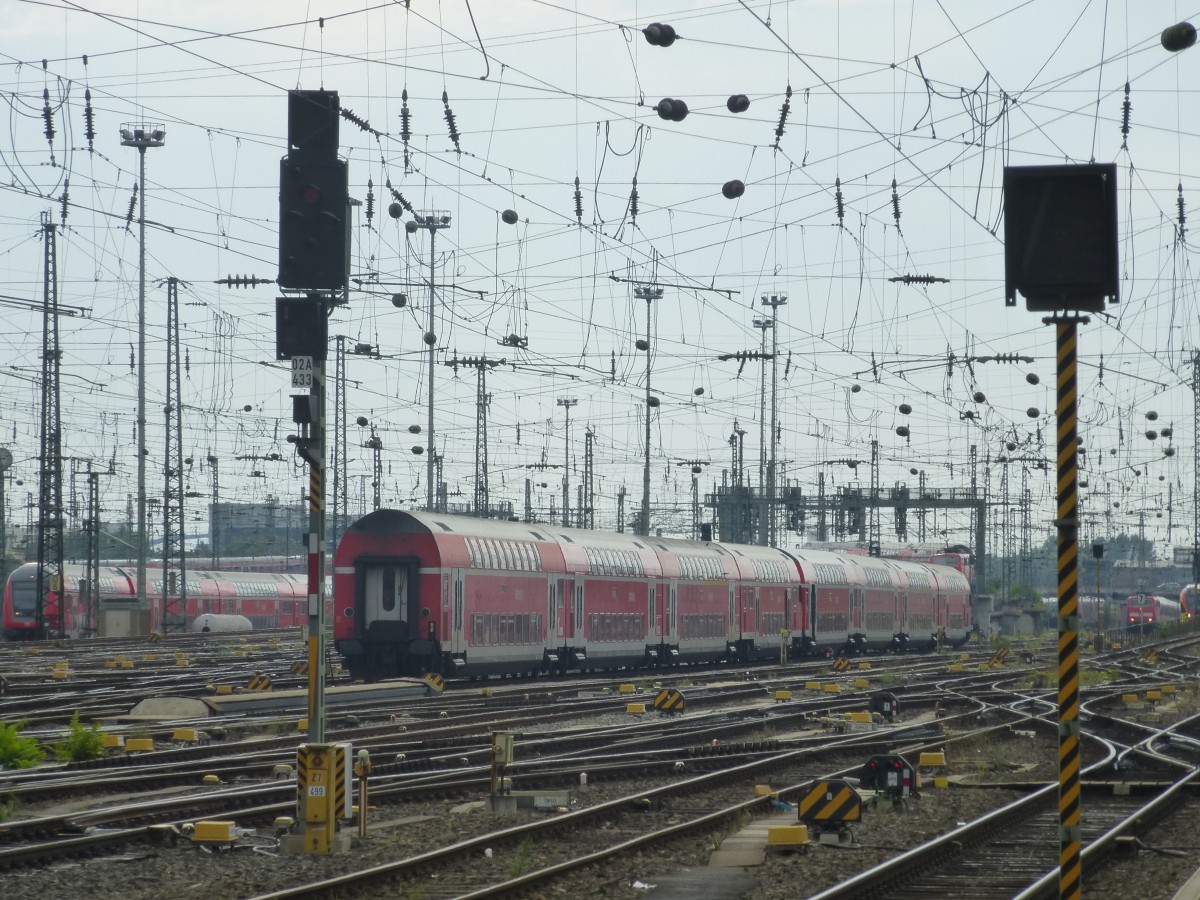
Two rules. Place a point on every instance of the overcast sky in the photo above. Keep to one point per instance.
(935, 97)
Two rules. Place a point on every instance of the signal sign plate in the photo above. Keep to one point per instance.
(670, 700)
(302, 372)
(829, 802)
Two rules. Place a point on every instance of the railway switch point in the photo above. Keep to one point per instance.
(211, 779)
(783, 696)
(931, 760)
(185, 735)
(112, 741)
(763, 790)
(635, 709)
(812, 685)
(864, 665)
(941, 781)
(139, 745)
(861, 683)
(626, 689)
(833, 688)
(1154, 696)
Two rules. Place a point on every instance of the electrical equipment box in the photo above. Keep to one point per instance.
(323, 778)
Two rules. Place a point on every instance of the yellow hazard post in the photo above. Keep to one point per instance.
(323, 786)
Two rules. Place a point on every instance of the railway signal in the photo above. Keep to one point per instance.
(1060, 252)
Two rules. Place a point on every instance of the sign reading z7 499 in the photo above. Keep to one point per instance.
(302, 372)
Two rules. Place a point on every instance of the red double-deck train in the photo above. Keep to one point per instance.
(423, 592)
(268, 600)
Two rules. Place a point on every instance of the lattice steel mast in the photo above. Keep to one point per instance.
(174, 596)
(50, 511)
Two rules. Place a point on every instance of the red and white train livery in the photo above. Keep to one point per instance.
(268, 600)
(423, 592)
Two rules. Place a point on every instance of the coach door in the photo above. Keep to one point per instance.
(458, 638)
(673, 612)
(388, 600)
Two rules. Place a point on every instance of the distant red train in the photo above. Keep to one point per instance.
(268, 600)
(422, 592)
(1144, 611)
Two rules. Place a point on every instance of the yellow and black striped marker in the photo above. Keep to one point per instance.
(154, 637)
(340, 805)
(999, 657)
(1070, 868)
(841, 664)
(300, 667)
(259, 682)
(828, 803)
(670, 700)
(436, 682)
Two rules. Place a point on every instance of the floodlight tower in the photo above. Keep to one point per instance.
(143, 136)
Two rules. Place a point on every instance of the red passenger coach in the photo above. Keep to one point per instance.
(422, 592)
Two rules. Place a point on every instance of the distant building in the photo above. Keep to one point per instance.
(285, 526)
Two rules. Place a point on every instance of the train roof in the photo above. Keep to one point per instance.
(599, 552)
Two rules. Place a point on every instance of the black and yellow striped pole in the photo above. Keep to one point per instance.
(1060, 253)
(316, 559)
(1070, 879)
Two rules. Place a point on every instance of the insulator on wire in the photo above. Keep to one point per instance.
(370, 207)
(837, 199)
(399, 198)
(659, 34)
(1126, 109)
(633, 202)
(405, 125)
(363, 125)
(65, 200)
(450, 123)
(132, 203)
(1178, 37)
(783, 114)
(1182, 215)
(578, 202)
(895, 204)
(89, 120)
(47, 114)
(672, 109)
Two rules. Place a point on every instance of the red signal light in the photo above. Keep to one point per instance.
(310, 194)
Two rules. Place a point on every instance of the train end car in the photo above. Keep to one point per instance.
(20, 606)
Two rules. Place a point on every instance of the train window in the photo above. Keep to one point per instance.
(388, 592)
(477, 630)
(506, 552)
